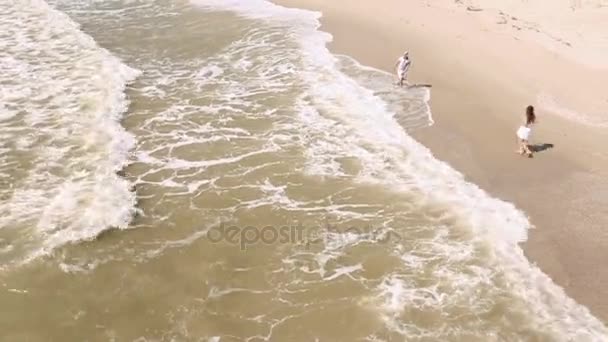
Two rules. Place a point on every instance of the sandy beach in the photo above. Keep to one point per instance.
(486, 61)
(240, 170)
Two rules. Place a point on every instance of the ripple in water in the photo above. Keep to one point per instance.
(62, 99)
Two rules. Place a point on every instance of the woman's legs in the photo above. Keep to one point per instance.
(520, 147)
(524, 148)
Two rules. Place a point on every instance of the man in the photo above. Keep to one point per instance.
(403, 66)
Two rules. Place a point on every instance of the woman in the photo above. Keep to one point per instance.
(523, 133)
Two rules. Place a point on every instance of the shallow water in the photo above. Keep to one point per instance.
(245, 185)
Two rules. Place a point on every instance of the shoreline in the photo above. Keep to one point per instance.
(481, 86)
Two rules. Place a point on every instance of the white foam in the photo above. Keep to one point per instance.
(18, 291)
(344, 271)
(214, 292)
(65, 98)
(342, 118)
(261, 9)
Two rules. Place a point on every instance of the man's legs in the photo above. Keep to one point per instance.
(403, 79)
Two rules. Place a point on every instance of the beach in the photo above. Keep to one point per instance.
(247, 170)
(483, 74)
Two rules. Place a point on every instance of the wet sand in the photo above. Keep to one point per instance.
(482, 77)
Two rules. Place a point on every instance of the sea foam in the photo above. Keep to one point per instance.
(349, 119)
(63, 98)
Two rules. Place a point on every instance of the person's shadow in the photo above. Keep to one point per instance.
(540, 147)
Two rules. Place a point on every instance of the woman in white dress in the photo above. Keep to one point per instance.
(523, 133)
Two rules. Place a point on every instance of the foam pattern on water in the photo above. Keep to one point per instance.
(265, 125)
(343, 118)
(61, 141)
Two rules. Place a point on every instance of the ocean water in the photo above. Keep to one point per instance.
(208, 171)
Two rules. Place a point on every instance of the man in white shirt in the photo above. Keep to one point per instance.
(403, 66)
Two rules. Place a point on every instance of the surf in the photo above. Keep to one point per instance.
(349, 116)
(63, 99)
(244, 118)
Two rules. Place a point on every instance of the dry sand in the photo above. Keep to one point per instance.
(485, 66)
